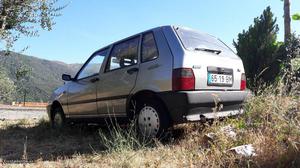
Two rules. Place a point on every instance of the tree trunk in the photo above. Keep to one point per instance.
(287, 20)
(24, 98)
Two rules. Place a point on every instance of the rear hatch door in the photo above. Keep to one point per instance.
(215, 72)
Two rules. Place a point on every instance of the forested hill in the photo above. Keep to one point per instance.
(44, 77)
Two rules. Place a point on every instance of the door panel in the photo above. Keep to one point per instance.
(119, 78)
(113, 89)
(82, 92)
(82, 97)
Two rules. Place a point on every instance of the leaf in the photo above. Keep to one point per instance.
(296, 16)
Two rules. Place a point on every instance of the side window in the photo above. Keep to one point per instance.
(93, 66)
(123, 54)
(149, 50)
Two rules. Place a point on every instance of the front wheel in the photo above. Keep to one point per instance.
(58, 118)
(152, 119)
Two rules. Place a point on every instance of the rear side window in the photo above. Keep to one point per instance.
(149, 49)
(123, 54)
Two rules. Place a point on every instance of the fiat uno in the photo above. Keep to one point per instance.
(161, 77)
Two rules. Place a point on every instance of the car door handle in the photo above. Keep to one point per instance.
(132, 70)
(94, 80)
(153, 66)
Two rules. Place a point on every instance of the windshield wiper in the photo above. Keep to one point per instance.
(209, 50)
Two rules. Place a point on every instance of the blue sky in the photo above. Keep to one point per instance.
(87, 25)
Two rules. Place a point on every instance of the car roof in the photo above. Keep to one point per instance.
(129, 37)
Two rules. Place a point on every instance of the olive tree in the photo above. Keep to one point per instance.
(22, 18)
(7, 88)
(22, 78)
(25, 17)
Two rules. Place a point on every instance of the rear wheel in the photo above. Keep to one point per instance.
(152, 119)
(58, 118)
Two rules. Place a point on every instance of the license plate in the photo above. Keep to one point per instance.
(219, 79)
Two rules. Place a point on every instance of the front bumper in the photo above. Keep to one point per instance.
(186, 106)
(49, 110)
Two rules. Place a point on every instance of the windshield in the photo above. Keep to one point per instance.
(193, 40)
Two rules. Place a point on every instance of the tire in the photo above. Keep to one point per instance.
(152, 119)
(58, 120)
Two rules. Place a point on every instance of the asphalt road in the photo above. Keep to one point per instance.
(17, 113)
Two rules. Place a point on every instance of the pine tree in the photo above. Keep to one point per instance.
(257, 47)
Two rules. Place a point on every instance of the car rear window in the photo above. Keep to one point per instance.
(192, 39)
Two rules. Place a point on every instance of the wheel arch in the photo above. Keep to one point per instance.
(55, 104)
(140, 95)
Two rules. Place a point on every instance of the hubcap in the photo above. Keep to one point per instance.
(148, 121)
(58, 120)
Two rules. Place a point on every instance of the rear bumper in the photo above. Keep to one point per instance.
(186, 106)
(212, 115)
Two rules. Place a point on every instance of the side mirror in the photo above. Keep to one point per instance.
(66, 77)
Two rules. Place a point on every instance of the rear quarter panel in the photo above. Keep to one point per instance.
(156, 75)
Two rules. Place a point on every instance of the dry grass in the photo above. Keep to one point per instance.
(271, 123)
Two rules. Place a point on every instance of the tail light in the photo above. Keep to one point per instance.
(243, 82)
(183, 79)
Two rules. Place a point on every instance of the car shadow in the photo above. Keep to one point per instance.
(40, 141)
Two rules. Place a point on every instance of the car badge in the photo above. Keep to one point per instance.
(196, 66)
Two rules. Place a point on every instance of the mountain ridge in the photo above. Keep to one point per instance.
(44, 77)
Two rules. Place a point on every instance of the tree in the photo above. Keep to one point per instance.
(22, 76)
(287, 20)
(258, 48)
(25, 17)
(7, 88)
(289, 52)
(296, 16)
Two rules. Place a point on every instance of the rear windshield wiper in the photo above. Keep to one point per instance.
(208, 50)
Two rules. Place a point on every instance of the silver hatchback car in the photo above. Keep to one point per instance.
(161, 77)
